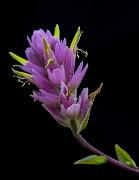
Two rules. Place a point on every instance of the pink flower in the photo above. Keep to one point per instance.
(50, 65)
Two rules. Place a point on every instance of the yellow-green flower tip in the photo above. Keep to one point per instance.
(57, 32)
(75, 39)
(19, 59)
(22, 74)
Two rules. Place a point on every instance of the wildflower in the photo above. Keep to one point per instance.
(50, 67)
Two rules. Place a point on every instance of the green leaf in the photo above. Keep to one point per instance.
(75, 39)
(92, 159)
(18, 58)
(57, 32)
(82, 124)
(124, 157)
(22, 74)
(85, 121)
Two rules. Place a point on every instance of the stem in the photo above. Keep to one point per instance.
(110, 160)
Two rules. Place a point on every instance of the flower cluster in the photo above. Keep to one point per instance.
(50, 67)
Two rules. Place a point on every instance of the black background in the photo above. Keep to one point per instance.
(31, 141)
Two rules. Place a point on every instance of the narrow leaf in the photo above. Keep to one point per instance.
(18, 58)
(57, 32)
(85, 121)
(75, 39)
(92, 159)
(23, 74)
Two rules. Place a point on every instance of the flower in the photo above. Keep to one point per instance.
(50, 67)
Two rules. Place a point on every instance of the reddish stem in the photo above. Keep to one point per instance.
(110, 160)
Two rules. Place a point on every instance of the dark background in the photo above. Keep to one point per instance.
(30, 140)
